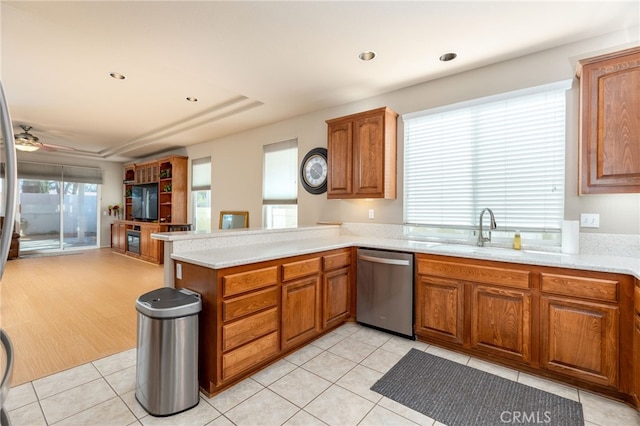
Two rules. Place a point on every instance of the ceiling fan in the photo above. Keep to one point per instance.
(26, 141)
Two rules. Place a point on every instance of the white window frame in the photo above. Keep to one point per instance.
(451, 167)
(280, 184)
(200, 186)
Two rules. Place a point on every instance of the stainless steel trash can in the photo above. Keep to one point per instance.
(167, 356)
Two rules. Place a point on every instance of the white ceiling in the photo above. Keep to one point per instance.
(249, 63)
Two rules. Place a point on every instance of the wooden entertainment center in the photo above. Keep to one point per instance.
(166, 178)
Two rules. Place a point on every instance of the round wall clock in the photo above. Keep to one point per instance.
(313, 171)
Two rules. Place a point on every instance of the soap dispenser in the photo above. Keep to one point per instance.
(517, 241)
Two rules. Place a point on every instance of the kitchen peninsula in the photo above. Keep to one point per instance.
(570, 318)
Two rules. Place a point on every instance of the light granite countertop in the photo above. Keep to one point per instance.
(219, 258)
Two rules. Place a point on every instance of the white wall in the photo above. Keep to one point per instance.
(237, 159)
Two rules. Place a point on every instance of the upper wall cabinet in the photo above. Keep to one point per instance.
(610, 123)
(361, 151)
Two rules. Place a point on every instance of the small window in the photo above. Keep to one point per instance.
(280, 185)
(201, 194)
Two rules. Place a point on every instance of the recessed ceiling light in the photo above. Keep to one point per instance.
(367, 55)
(192, 99)
(117, 75)
(448, 57)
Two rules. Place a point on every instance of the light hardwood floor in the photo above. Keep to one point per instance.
(63, 311)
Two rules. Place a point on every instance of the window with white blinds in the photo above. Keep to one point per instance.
(201, 174)
(280, 178)
(57, 172)
(201, 194)
(504, 152)
(280, 185)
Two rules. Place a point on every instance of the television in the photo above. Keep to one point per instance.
(144, 202)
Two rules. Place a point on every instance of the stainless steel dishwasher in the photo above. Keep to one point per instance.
(385, 290)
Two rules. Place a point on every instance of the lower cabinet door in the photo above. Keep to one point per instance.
(500, 321)
(439, 309)
(300, 311)
(119, 237)
(580, 339)
(336, 297)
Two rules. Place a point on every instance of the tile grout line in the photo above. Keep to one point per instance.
(519, 376)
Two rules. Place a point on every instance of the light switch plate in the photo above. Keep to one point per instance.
(590, 220)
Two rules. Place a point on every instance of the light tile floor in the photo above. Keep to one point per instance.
(325, 382)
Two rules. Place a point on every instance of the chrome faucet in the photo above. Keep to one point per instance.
(481, 237)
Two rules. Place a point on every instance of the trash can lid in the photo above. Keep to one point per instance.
(168, 302)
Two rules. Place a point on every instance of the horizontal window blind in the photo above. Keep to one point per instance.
(201, 174)
(505, 153)
(280, 173)
(43, 171)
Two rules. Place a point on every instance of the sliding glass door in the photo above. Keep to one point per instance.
(57, 215)
(58, 206)
(39, 215)
(80, 215)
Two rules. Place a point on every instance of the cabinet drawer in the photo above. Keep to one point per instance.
(248, 356)
(301, 268)
(474, 273)
(247, 329)
(335, 261)
(249, 303)
(250, 280)
(588, 288)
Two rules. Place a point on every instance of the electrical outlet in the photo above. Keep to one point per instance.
(589, 220)
(371, 214)
(179, 271)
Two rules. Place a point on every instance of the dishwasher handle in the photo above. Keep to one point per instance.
(383, 260)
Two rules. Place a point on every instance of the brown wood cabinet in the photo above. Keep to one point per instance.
(579, 327)
(570, 325)
(483, 308)
(170, 174)
(118, 237)
(252, 334)
(610, 123)
(255, 314)
(146, 173)
(580, 339)
(636, 359)
(301, 302)
(501, 322)
(636, 345)
(361, 150)
(148, 249)
(337, 288)
(439, 312)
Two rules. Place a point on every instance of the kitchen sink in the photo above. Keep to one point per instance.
(499, 252)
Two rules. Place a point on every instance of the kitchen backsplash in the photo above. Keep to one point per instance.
(378, 230)
(626, 245)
